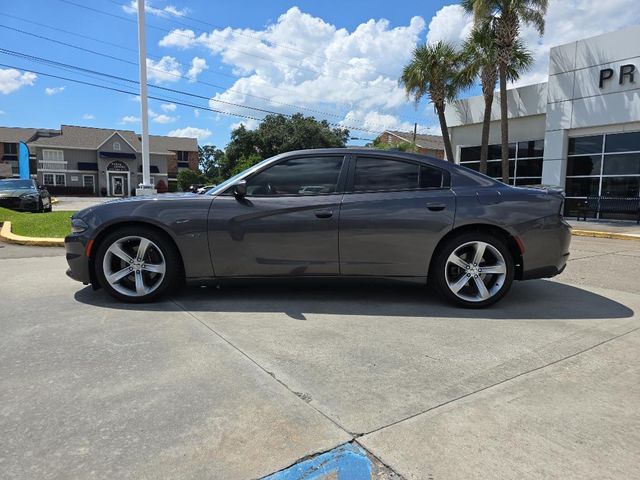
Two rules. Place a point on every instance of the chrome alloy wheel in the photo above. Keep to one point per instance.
(134, 266)
(475, 271)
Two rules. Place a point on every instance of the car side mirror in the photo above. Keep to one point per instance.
(240, 188)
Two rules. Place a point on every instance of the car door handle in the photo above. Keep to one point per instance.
(436, 207)
(324, 213)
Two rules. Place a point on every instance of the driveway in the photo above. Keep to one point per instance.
(244, 381)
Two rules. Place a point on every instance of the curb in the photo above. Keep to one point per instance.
(612, 235)
(7, 236)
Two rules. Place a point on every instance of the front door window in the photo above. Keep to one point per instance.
(117, 185)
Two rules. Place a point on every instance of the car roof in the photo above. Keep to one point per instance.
(370, 152)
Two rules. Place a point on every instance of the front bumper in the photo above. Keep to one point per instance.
(75, 247)
(20, 204)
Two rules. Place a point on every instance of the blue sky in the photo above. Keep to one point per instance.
(333, 60)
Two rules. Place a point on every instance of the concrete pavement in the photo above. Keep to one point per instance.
(243, 381)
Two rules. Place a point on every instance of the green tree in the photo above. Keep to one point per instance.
(278, 134)
(187, 178)
(210, 159)
(433, 71)
(480, 58)
(506, 17)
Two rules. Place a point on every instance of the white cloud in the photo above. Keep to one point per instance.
(164, 119)
(191, 132)
(12, 79)
(374, 120)
(53, 90)
(451, 24)
(165, 12)
(129, 119)
(324, 68)
(198, 65)
(167, 69)
(168, 107)
(196, 113)
(88, 116)
(180, 38)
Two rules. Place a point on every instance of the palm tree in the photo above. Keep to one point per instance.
(506, 17)
(480, 58)
(433, 71)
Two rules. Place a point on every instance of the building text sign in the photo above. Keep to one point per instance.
(627, 73)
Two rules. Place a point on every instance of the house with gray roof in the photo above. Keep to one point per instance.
(100, 161)
(431, 145)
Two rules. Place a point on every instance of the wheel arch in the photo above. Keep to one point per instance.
(107, 230)
(509, 240)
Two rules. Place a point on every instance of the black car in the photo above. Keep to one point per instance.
(24, 195)
(333, 213)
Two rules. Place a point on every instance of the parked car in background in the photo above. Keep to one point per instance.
(331, 213)
(24, 195)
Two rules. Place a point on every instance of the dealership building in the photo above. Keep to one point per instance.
(580, 130)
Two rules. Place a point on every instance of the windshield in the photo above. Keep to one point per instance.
(16, 184)
(227, 183)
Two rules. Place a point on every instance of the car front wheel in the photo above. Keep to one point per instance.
(474, 270)
(136, 264)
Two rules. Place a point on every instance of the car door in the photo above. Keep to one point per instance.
(393, 213)
(285, 225)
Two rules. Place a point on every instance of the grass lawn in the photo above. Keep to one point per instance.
(50, 224)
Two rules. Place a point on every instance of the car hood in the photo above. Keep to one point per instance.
(15, 193)
(165, 197)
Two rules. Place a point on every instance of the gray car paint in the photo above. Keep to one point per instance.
(379, 234)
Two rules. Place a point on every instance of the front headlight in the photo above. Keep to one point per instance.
(32, 196)
(78, 226)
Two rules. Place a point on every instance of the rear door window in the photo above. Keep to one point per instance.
(379, 174)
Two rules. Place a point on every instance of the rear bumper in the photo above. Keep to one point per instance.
(546, 250)
(77, 260)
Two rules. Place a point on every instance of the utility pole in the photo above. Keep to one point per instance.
(145, 188)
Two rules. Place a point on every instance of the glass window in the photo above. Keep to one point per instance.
(623, 142)
(521, 182)
(52, 155)
(61, 179)
(582, 187)
(87, 181)
(430, 177)
(385, 174)
(116, 146)
(469, 154)
(48, 178)
(472, 165)
(11, 148)
(530, 168)
(620, 186)
(581, 145)
(298, 176)
(494, 169)
(586, 165)
(532, 148)
(495, 151)
(626, 164)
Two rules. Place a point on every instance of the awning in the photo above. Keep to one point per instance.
(117, 155)
(87, 166)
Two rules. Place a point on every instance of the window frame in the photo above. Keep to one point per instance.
(342, 176)
(351, 179)
(47, 151)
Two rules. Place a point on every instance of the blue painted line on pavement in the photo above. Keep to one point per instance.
(348, 462)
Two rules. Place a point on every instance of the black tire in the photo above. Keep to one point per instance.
(173, 271)
(40, 206)
(439, 265)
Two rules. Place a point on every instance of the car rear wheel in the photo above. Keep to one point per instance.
(473, 270)
(136, 264)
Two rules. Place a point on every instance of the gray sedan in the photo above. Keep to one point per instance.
(333, 213)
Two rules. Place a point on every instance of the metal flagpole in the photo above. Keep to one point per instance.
(145, 188)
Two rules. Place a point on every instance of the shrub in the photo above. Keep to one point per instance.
(161, 187)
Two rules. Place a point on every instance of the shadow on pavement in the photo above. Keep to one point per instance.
(537, 300)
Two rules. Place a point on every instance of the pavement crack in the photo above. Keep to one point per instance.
(255, 362)
(521, 374)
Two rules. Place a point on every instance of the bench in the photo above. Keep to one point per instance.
(599, 204)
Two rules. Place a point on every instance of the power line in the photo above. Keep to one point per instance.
(271, 42)
(179, 92)
(94, 52)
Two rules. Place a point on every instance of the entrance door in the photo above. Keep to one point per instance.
(117, 185)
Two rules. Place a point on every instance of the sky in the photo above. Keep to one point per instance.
(239, 60)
